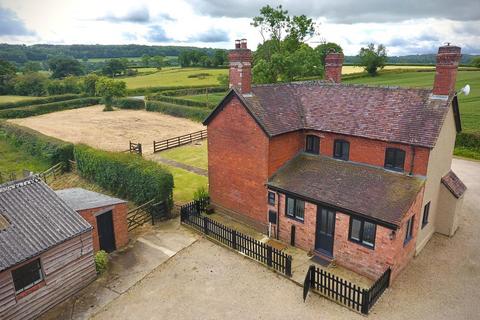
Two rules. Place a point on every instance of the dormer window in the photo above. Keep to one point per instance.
(312, 144)
(394, 159)
(341, 150)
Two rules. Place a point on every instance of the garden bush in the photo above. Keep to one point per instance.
(192, 113)
(468, 140)
(32, 102)
(150, 90)
(37, 144)
(101, 261)
(193, 91)
(126, 175)
(129, 103)
(180, 101)
(35, 110)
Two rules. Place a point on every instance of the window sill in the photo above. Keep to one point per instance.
(295, 219)
(31, 290)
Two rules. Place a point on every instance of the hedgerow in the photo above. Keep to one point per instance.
(126, 175)
(150, 90)
(129, 103)
(192, 113)
(193, 91)
(37, 144)
(35, 110)
(180, 101)
(43, 100)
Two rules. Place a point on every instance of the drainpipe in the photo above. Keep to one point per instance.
(277, 231)
(412, 160)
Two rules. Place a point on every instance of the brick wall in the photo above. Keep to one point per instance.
(238, 164)
(283, 148)
(120, 226)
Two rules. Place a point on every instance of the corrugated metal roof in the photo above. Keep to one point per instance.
(81, 199)
(38, 220)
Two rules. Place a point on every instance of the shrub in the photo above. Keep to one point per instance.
(200, 194)
(36, 110)
(149, 90)
(192, 113)
(200, 75)
(32, 102)
(37, 144)
(126, 175)
(468, 140)
(101, 261)
(179, 101)
(129, 103)
(193, 91)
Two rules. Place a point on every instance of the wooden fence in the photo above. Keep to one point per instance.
(135, 148)
(147, 212)
(343, 291)
(190, 214)
(52, 173)
(179, 141)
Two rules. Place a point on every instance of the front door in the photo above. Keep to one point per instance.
(325, 230)
(106, 235)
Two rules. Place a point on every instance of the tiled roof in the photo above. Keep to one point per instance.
(454, 184)
(350, 187)
(38, 220)
(403, 115)
(81, 199)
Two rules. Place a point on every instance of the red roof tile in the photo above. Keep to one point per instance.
(454, 184)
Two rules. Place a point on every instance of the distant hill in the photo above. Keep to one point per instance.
(413, 59)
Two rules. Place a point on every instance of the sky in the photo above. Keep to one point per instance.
(404, 27)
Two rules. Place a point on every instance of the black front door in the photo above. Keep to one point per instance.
(325, 230)
(106, 235)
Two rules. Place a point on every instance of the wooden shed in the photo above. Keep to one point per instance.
(46, 251)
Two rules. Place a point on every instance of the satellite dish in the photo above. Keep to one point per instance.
(466, 90)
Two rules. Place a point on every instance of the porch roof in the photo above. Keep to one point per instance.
(368, 191)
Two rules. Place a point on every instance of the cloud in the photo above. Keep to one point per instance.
(129, 36)
(157, 34)
(11, 25)
(350, 11)
(212, 35)
(137, 15)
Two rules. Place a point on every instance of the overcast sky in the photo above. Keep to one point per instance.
(405, 27)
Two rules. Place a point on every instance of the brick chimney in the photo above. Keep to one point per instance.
(333, 67)
(448, 58)
(241, 67)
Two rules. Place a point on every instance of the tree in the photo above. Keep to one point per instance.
(62, 67)
(146, 60)
(372, 59)
(110, 89)
(220, 58)
(223, 80)
(115, 67)
(157, 62)
(475, 62)
(90, 83)
(30, 84)
(323, 49)
(31, 66)
(281, 56)
(7, 73)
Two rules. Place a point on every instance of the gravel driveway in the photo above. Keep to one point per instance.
(207, 281)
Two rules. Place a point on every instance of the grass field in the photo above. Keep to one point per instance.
(186, 183)
(16, 160)
(194, 155)
(469, 105)
(175, 77)
(4, 99)
(355, 69)
(215, 97)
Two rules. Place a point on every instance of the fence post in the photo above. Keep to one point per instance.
(269, 256)
(312, 277)
(205, 225)
(288, 266)
(365, 301)
(234, 239)
(140, 148)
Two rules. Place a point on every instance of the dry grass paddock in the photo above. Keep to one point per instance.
(110, 130)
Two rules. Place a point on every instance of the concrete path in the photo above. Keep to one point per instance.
(127, 267)
(183, 166)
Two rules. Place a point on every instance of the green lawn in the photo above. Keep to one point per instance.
(186, 183)
(193, 155)
(215, 97)
(15, 160)
(4, 99)
(175, 77)
(469, 105)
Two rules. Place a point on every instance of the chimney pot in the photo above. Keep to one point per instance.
(448, 58)
(241, 67)
(243, 44)
(333, 66)
(237, 44)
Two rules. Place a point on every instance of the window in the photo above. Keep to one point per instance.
(271, 198)
(362, 232)
(295, 208)
(341, 149)
(394, 159)
(426, 211)
(312, 144)
(409, 233)
(27, 276)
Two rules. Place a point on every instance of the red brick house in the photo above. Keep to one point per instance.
(359, 174)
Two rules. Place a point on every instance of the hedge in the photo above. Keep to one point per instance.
(192, 113)
(193, 91)
(32, 102)
(47, 108)
(126, 175)
(150, 90)
(129, 103)
(180, 101)
(468, 140)
(37, 144)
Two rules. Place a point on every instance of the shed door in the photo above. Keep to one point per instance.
(106, 234)
(325, 230)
